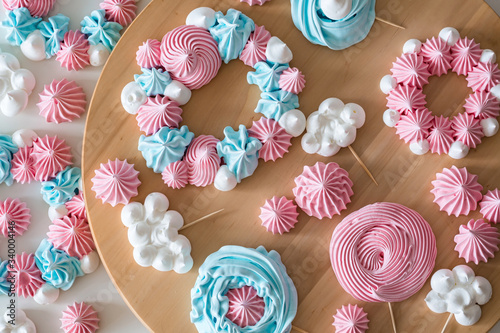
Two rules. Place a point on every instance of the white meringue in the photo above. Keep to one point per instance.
(277, 51)
(335, 9)
(488, 56)
(443, 281)
(353, 114)
(387, 83)
(178, 92)
(458, 150)
(8, 64)
(132, 213)
(464, 275)
(435, 302)
(225, 180)
(490, 126)
(391, 117)
(24, 138)
(14, 102)
(99, 54)
(4, 85)
(57, 212)
(133, 97)
(449, 35)
(412, 46)
(145, 255)
(46, 294)
(156, 206)
(420, 148)
(495, 91)
(482, 290)
(23, 79)
(294, 122)
(23, 323)
(203, 17)
(469, 316)
(33, 47)
(90, 262)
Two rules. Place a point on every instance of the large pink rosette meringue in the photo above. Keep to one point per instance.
(62, 101)
(51, 156)
(72, 235)
(350, 319)
(116, 182)
(477, 241)
(28, 278)
(279, 215)
(255, 48)
(467, 129)
(190, 55)
(14, 210)
(323, 190)
(255, 2)
(36, 7)
(79, 318)
(23, 166)
(456, 191)
(76, 206)
(202, 160)
(466, 54)
(440, 135)
(148, 54)
(175, 175)
(483, 77)
(158, 112)
(292, 80)
(414, 126)
(410, 70)
(405, 98)
(275, 140)
(74, 51)
(490, 206)
(246, 308)
(119, 11)
(482, 105)
(437, 54)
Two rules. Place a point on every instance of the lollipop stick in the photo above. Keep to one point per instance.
(200, 219)
(298, 329)
(389, 23)
(446, 324)
(363, 165)
(392, 317)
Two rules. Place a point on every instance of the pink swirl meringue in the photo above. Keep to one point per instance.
(323, 190)
(74, 51)
(414, 126)
(405, 98)
(456, 191)
(28, 278)
(51, 155)
(440, 135)
(279, 215)
(246, 308)
(36, 7)
(255, 2)
(116, 182)
(467, 129)
(255, 48)
(119, 11)
(483, 77)
(79, 318)
(23, 166)
(76, 206)
(14, 210)
(490, 206)
(158, 112)
(175, 175)
(350, 319)
(202, 160)
(482, 105)
(437, 54)
(275, 140)
(62, 101)
(410, 70)
(191, 56)
(72, 235)
(292, 80)
(148, 54)
(466, 54)
(477, 241)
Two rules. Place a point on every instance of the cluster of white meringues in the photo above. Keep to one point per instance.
(22, 323)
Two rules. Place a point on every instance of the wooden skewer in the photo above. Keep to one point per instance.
(389, 23)
(446, 324)
(392, 317)
(298, 329)
(363, 165)
(200, 219)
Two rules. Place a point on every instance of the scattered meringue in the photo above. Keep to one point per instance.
(177, 92)
(79, 318)
(387, 83)
(24, 138)
(350, 319)
(391, 117)
(225, 180)
(46, 294)
(23, 323)
(458, 150)
(132, 97)
(449, 35)
(278, 52)
(203, 17)
(420, 147)
(279, 215)
(16, 84)
(294, 122)
(98, 55)
(412, 46)
(33, 47)
(489, 126)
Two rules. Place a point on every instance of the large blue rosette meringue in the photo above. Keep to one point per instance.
(336, 34)
(100, 30)
(153, 81)
(7, 150)
(231, 32)
(58, 268)
(240, 152)
(61, 189)
(235, 267)
(266, 75)
(19, 24)
(54, 31)
(275, 104)
(165, 146)
(4, 274)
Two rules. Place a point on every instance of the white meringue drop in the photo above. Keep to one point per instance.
(33, 47)
(8, 64)
(225, 180)
(490, 126)
(391, 117)
(294, 122)
(46, 294)
(203, 17)
(412, 46)
(99, 54)
(488, 56)
(23, 79)
(24, 138)
(449, 35)
(387, 83)
(132, 97)
(277, 51)
(420, 148)
(458, 150)
(90, 262)
(495, 91)
(178, 92)
(57, 212)
(14, 102)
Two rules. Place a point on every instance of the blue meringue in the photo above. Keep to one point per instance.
(61, 189)
(99, 30)
(54, 31)
(266, 75)
(165, 146)
(7, 150)
(4, 274)
(153, 81)
(19, 24)
(276, 103)
(240, 152)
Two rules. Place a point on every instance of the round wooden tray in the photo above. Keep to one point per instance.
(162, 300)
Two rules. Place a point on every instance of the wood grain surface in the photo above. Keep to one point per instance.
(162, 300)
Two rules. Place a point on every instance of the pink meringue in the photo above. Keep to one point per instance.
(437, 54)
(275, 140)
(255, 48)
(23, 166)
(246, 308)
(405, 98)
(14, 210)
(158, 112)
(490, 206)
(323, 190)
(148, 54)
(72, 235)
(482, 105)
(279, 215)
(440, 135)
(76, 206)
(255, 2)
(74, 51)
(467, 129)
(414, 126)
(79, 318)
(410, 70)
(119, 11)
(175, 175)
(350, 319)
(483, 77)
(51, 155)
(466, 54)
(202, 160)
(116, 182)
(292, 80)
(28, 278)
(62, 101)
(477, 241)
(456, 191)
(36, 7)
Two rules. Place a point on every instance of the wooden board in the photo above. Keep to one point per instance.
(162, 300)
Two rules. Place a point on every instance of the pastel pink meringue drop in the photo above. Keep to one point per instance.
(148, 54)
(323, 190)
(477, 241)
(490, 206)
(279, 215)
(466, 54)
(79, 318)
(72, 235)
(51, 155)
(255, 48)
(255, 2)
(36, 7)
(175, 175)
(62, 101)
(275, 140)
(246, 308)
(119, 11)
(440, 135)
(482, 105)
(158, 112)
(28, 278)
(292, 80)
(74, 51)
(483, 77)
(456, 191)
(190, 55)
(467, 129)
(116, 182)
(14, 210)
(414, 126)
(23, 166)
(410, 70)
(350, 319)
(404, 99)
(76, 206)
(437, 54)
(202, 160)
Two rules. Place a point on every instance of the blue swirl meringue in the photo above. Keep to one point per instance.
(240, 152)
(274, 104)
(54, 31)
(61, 189)
(266, 75)
(166, 146)
(19, 25)
(58, 268)
(231, 32)
(7, 150)
(99, 30)
(4, 274)
(153, 81)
